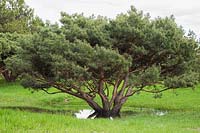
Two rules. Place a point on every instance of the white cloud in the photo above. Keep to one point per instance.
(186, 12)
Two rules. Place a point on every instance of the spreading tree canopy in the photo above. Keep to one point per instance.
(96, 58)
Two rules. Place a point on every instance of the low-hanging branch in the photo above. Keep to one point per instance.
(46, 91)
(156, 91)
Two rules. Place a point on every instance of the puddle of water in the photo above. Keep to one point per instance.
(83, 114)
(36, 109)
(160, 112)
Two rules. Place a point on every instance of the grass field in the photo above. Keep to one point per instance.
(22, 112)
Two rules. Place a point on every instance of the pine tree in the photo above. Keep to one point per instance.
(96, 58)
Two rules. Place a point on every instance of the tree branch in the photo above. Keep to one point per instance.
(116, 85)
(130, 93)
(156, 91)
(124, 85)
(106, 87)
(46, 91)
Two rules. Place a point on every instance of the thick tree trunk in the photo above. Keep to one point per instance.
(105, 114)
(109, 107)
(113, 111)
(8, 76)
(101, 112)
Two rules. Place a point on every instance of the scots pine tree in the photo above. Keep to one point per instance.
(94, 58)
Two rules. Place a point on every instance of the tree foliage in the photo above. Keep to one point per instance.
(8, 48)
(16, 18)
(92, 58)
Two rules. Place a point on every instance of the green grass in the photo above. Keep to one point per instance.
(14, 95)
(12, 121)
(180, 99)
(22, 111)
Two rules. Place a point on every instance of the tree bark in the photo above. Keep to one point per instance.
(105, 114)
(8, 76)
(114, 111)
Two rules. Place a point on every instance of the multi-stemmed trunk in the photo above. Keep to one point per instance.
(8, 76)
(108, 109)
(110, 105)
(105, 113)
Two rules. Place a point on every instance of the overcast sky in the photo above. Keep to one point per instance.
(187, 12)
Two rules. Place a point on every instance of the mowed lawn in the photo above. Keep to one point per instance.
(22, 111)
